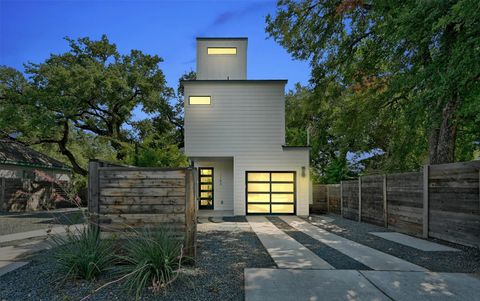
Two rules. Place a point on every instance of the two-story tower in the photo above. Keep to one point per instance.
(235, 136)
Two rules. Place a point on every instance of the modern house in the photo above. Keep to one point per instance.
(235, 136)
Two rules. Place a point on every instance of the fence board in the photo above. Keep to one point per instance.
(350, 199)
(372, 200)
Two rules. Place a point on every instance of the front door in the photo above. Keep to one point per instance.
(205, 182)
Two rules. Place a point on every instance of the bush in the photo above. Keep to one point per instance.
(82, 254)
(152, 258)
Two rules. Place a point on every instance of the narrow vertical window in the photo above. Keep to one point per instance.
(199, 100)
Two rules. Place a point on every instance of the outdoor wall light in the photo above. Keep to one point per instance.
(303, 171)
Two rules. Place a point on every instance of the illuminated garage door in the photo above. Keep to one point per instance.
(270, 192)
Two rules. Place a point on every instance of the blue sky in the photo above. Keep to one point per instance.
(31, 30)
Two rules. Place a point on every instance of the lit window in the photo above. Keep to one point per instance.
(222, 50)
(199, 100)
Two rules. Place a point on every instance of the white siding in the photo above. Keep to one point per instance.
(246, 120)
(222, 181)
(221, 66)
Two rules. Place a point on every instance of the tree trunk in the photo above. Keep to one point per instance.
(442, 138)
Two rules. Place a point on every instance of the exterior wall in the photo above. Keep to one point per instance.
(221, 66)
(23, 172)
(279, 160)
(244, 118)
(222, 181)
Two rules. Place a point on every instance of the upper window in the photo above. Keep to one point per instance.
(222, 50)
(199, 100)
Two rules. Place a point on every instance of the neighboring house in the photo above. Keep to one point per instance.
(19, 161)
(235, 135)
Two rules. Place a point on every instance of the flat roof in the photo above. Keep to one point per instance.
(234, 81)
(222, 38)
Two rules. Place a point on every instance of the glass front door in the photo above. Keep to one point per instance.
(270, 192)
(205, 180)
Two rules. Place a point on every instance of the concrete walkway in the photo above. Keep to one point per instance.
(370, 257)
(284, 250)
(413, 242)
(25, 243)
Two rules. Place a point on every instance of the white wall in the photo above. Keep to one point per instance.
(246, 120)
(223, 181)
(221, 66)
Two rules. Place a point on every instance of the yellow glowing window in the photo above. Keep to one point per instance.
(222, 50)
(199, 100)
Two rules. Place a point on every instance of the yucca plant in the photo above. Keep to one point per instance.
(152, 259)
(82, 254)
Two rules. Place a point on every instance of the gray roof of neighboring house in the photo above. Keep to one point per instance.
(16, 153)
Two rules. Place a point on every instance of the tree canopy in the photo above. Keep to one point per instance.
(87, 95)
(401, 77)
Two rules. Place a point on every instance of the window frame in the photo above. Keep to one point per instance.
(197, 104)
(270, 193)
(222, 47)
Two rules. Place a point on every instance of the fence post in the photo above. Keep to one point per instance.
(2, 194)
(385, 208)
(190, 214)
(341, 198)
(359, 199)
(93, 194)
(425, 200)
(328, 199)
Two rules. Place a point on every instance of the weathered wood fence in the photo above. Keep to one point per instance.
(18, 195)
(441, 201)
(124, 198)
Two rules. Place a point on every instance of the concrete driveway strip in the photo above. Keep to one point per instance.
(284, 250)
(311, 285)
(368, 256)
(429, 286)
(413, 242)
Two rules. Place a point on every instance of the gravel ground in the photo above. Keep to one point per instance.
(335, 258)
(218, 274)
(466, 261)
(22, 222)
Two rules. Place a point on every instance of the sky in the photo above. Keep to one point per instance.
(31, 30)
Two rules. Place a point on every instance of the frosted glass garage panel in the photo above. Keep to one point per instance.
(258, 208)
(282, 177)
(258, 187)
(283, 198)
(258, 177)
(282, 187)
(258, 198)
(282, 208)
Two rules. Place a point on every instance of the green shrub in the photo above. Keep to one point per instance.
(152, 258)
(82, 253)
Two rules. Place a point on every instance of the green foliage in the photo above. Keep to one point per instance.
(152, 259)
(400, 76)
(82, 254)
(80, 103)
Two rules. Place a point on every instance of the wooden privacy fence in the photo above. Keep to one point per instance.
(125, 198)
(442, 201)
(326, 198)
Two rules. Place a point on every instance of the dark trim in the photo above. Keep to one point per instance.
(294, 147)
(200, 176)
(221, 38)
(234, 81)
(271, 193)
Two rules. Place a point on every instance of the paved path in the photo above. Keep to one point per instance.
(284, 250)
(24, 243)
(410, 241)
(392, 278)
(370, 257)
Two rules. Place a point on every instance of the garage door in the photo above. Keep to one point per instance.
(270, 192)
